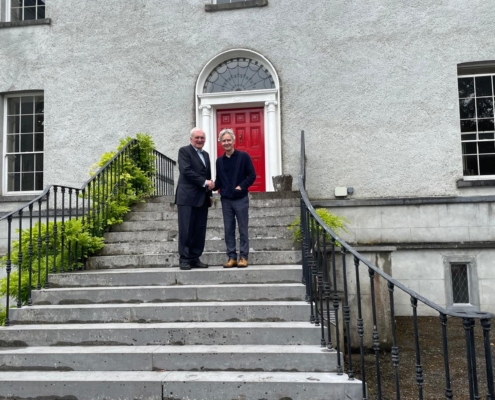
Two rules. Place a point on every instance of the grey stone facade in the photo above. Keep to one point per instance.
(372, 83)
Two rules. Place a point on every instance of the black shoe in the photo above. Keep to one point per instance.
(199, 264)
(185, 266)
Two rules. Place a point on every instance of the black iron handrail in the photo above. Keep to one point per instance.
(327, 286)
(54, 247)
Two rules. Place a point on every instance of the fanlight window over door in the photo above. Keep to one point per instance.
(238, 74)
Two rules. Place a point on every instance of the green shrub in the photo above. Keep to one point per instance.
(334, 222)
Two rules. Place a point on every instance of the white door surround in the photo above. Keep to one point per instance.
(269, 99)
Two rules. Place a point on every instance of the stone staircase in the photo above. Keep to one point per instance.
(134, 326)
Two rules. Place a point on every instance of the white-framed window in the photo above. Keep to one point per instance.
(25, 10)
(475, 83)
(461, 283)
(24, 143)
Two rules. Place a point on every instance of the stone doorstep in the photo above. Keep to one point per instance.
(85, 385)
(172, 259)
(178, 358)
(163, 312)
(173, 276)
(161, 294)
(177, 333)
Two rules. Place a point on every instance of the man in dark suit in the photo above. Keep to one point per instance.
(193, 197)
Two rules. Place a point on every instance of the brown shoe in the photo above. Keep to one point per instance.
(243, 263)
(230, 264)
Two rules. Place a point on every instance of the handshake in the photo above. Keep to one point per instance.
(210, 184)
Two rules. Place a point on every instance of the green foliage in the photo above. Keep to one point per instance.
(127, 180)
(334, 222)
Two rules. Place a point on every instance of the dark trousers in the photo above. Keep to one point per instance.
(192, 232)
(233, 210)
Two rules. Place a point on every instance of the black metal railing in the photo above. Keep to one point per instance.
(65, 224)
(355, 328)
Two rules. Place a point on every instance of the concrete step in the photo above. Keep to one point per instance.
(269, 232)
(162, 294)
(210, 246)
(172, 259)
(177, 385)
(156, 212)
(213, 223)
(253, 311)
(178, 358)
(267, 274)
(178, 333)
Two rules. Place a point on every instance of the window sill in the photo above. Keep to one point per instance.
(15, 24)
(236, 6)
(461, 183)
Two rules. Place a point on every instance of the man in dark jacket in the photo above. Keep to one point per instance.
(235, 173)
(193, 197)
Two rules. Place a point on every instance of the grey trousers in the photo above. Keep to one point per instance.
(233, 210)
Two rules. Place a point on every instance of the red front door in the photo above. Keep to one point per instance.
(248, 127)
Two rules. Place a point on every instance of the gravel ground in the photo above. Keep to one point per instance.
(432, 361)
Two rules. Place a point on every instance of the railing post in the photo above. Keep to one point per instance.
(376, 337)
(419, 367)
(486, 324)
(395, 348)
(8, 269)
(347, 316)
(30, 254)
(47, 240)
(360, 328)
(54, 268)
(468, 324)
(340, 369)
(448, 387)
(19, 263)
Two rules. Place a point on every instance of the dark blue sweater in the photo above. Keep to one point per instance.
(238, 170)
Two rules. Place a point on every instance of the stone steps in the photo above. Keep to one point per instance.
(157, 247)
(249, 311)
(176, 333)
(267, 274)
(179, 358)
(163, 234)
(173, 385)
(172, 259)
(162, 294)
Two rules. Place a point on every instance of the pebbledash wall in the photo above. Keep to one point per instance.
(373, 84)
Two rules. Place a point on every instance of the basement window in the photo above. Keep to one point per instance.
(220, 5)
(461, 284)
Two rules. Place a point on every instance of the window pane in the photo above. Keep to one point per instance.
(16, 3)
(41, 2)
(485, 125)
(11, 164)
(468, 125)
(485, 107)
(39, 162)
(39, 119)
(470, 165)
(16, 14)
(29, 14)
(486, 147)
(466, 108)
(470, 136)
(27, 182)
(14, 106)
(460, 283)
(26, 143)
(485, 136)
(27, 104)
(13, 143)
(14, 182)
(13, 124)
(487, 164)
(38, 142)
(41, 12)
(38, 181)
(466, 87)
(39, 105)
(27, 162)
(483, 86)
(469, 148)
(27, 124)
(29, 3)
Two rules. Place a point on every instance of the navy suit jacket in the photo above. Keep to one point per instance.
(192, 176)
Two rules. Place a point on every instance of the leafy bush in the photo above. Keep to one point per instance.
(334, 222)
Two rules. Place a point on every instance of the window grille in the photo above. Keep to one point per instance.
(460, 283)
(24, 143)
